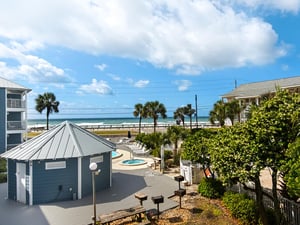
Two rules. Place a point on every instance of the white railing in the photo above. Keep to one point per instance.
(15, 103)
(16, 125)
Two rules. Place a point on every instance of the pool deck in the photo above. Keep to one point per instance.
(126, 181)
(117, 162)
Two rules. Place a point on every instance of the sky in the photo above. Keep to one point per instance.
(100, 57)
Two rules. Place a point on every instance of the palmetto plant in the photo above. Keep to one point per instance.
(153, 110)
(139, 112)
(47, 101)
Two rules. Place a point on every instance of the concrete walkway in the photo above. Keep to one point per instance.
(121, 195)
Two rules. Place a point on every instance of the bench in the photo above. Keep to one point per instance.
(121, 214)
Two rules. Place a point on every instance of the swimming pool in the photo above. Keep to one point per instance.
(133, 162)
(115, 154)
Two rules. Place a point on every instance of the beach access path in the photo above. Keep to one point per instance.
(126, 181)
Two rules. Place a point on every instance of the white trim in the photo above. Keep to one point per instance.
(55, 165)
(30, 183)
(21, 182)
(79, 175)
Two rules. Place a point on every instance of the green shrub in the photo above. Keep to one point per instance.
(241, 207)
(211, 188)
(2, 165)
(168, 154)
(3, 178)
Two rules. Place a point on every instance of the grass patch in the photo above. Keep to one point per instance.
(210, 212)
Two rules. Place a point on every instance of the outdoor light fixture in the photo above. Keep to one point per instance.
(93, 167)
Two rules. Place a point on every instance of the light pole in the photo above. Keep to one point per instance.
(93, 167)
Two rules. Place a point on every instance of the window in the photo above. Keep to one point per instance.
(97, 159)
(55, 165)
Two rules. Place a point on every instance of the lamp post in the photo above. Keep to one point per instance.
(93, 167)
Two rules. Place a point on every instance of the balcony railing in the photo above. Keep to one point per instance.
(16, 103)
(16, 125)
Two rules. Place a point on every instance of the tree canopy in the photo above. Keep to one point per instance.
(153, 110)
(139, 112)
(47, 101)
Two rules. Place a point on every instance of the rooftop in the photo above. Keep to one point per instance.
(258, 89)
(4, 83)
(65, 140)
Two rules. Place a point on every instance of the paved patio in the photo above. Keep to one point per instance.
(121, 195)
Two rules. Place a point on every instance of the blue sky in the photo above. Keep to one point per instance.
(100, 58)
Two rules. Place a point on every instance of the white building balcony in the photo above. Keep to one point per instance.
(16, 103)
(16, 125)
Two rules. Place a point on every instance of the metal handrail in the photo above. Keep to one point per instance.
(15, 103)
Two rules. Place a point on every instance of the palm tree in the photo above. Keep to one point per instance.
(139, 111)
(218, 113)
(179, 114)
(153, 109)
(189, 112)
(47, 101)
(233, 109)
(174, 135)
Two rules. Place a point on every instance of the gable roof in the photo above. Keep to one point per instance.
(258, 89)
(4, 83)
(65, 140)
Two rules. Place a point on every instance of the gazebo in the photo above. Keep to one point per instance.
(54, 166)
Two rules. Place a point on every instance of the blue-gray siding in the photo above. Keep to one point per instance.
(59, 184)
(2, 121)
(54, 185)
(11, 179)
(102, 181)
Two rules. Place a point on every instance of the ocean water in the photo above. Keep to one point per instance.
(107, 121)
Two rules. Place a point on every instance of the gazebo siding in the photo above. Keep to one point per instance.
(59, 184)
(55, 184)
(102, 180)
(11, 179)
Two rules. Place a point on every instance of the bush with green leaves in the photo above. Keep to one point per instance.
(2, 165)
(211, 188)
(240, 206)
(3, 178)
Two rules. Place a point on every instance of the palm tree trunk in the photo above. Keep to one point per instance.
(47, 118)
(140, 124)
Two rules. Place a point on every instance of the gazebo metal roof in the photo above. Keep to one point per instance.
(257, 89)
(65, 140)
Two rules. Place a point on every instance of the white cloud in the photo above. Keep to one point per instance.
(199, 35)
(114, 77)
(101, 67)
(141, 83)
(292, 6)
(96, 87)
(28, 67)
(183, 85)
